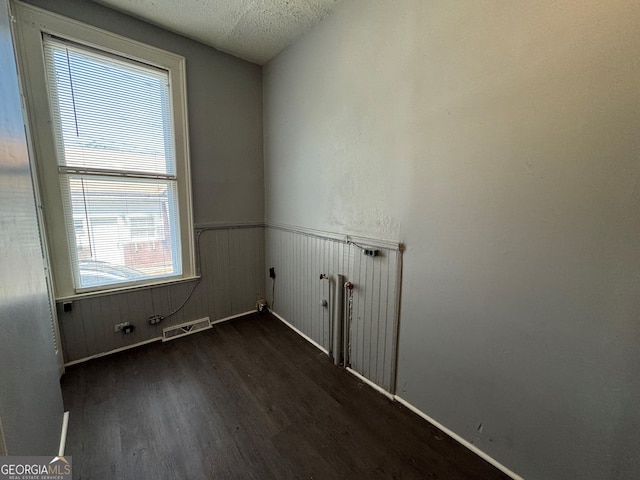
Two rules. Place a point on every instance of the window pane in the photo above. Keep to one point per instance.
(109, 113)
(122, 229)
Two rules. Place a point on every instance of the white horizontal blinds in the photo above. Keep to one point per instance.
(107, 105)
(116, 159)
(121, 225)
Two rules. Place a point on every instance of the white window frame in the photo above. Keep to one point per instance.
(31, 23)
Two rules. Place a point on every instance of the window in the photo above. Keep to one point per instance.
(112, 160)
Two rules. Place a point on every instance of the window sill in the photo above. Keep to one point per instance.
(127, 289)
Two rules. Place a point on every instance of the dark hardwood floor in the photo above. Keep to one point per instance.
(248, 399)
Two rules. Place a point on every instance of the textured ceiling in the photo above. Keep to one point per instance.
(256, 30)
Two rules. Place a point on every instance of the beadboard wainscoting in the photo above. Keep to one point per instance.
(231, 265)
(297, 293)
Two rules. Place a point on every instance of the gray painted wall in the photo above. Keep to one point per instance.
(499, 141)
(30, 398)
(225, 115)
(232, 271)
(225, 135)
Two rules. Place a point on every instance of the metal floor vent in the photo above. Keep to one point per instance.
(187, 328)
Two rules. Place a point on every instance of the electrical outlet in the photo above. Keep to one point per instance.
(155, 319)
(119, 326)
(261, 306)
(370, 252)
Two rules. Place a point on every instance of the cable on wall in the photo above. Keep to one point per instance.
(273, 293)
(351, 242)
(199, 233)
(198, 272)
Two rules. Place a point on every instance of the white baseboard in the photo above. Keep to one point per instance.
(306, 337)
(226, 319)
(63, 434)
(459, 439)
(151, 340)
(364, 379)
(110, 352)
(415, 410)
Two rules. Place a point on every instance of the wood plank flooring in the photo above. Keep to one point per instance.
(248, 399)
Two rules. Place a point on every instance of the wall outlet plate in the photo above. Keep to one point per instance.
(119, 326)
(128, 329)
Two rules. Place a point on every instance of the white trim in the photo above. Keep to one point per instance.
(46, 254)
(129, 289)
(306, 337)
(415, 410)
(63, 434)
(226, 319)
(116, 350)
(227, 226)
(337, 237)
(459, 439)
(31, 22)
(365, 380)
(151, 340)
(42, 18)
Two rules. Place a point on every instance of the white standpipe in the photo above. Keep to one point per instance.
(346, 323)
(338, 320)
